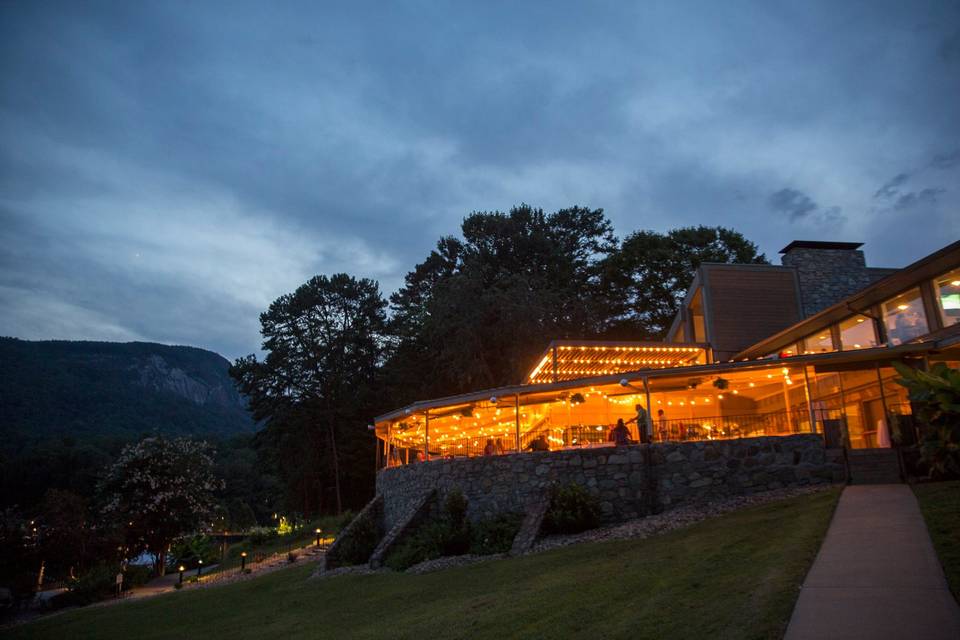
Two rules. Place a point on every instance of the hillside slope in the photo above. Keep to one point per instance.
(105, 389)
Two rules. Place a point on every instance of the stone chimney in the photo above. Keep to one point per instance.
(827, 272)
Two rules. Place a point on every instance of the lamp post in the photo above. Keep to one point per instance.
(318, 536)
(199, 567)
(182, 568)
(243, 561)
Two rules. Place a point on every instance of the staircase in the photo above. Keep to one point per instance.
(874, 466)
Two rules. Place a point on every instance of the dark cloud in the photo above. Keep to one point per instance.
(167, 169)
(792, 202)
(923, 198)
(946, 160)
(892, 186)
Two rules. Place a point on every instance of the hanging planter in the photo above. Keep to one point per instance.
(721, 383)
(577, 398)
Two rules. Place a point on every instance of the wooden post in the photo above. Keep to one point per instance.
(517, 410)
(810, 413)
(426, 435)
(786, 404)
(649, 425)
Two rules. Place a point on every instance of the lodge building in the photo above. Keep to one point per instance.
(756, 350)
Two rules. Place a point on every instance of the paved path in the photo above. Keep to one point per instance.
(876, 575)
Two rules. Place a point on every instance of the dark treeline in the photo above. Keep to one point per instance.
(474, 314)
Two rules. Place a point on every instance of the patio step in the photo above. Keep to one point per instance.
(874, 466)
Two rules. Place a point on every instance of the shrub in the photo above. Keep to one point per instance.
(572, 510)
(291, 557)
(136, 575)
(262, 535)
(177, 585)
(935, 394)
(359, 545)
(430, 540)
(188, 551)
(494, 535)
(446, 535)
(96, 584)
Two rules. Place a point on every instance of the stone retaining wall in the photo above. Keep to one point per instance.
(629, 481)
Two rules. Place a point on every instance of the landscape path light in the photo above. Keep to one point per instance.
(318, 536)
(182, 568)
(243, 561)
(199, 567)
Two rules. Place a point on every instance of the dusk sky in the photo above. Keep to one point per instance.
(168, 169)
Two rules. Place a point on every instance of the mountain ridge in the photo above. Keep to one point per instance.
(87, 389)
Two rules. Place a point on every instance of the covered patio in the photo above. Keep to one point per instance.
(851, 397)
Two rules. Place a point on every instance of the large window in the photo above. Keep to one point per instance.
(857, 333)
(904, 318)
(947, 288)
(819, 342)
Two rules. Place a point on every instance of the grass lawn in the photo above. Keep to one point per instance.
(940, 504)
(736, 576)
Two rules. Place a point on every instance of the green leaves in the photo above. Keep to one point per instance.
(935, 395)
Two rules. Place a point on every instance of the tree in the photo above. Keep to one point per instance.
(158, 490)
(647, 278)
(317, 386)
(479, 310)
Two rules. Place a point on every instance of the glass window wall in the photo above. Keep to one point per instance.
(947, 289)
(904, 318)
(820, 342)
(857, 332)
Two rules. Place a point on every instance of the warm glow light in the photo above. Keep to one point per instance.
(955, 283)
(902, 307)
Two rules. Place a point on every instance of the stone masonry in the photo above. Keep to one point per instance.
(625, 485)
(827, 276)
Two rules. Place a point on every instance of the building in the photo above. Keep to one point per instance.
(755, 350)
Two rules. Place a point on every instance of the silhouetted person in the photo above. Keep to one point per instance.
(619, 435)
(539, 444)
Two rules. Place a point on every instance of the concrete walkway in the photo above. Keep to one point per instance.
(876, 575)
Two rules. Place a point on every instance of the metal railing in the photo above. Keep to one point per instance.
(774, 423)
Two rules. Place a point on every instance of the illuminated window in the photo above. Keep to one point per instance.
(819, 342)
(947, 289)
(904, 318)
(857, 333)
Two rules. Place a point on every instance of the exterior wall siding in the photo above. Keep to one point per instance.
(747, 305)
(628, 482)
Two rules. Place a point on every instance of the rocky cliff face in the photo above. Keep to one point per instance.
(154, 372)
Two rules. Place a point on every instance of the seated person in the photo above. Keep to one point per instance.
(619, 435)
(539, 444)
(490, 449)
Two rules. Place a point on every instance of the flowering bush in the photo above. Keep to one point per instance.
(159, 490)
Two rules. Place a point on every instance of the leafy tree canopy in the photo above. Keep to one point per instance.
(160, 489)
(316, 386)
(650, 273)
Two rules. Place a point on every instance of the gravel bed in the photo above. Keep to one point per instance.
(675, 518)
(353, 570)
(451, 561)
